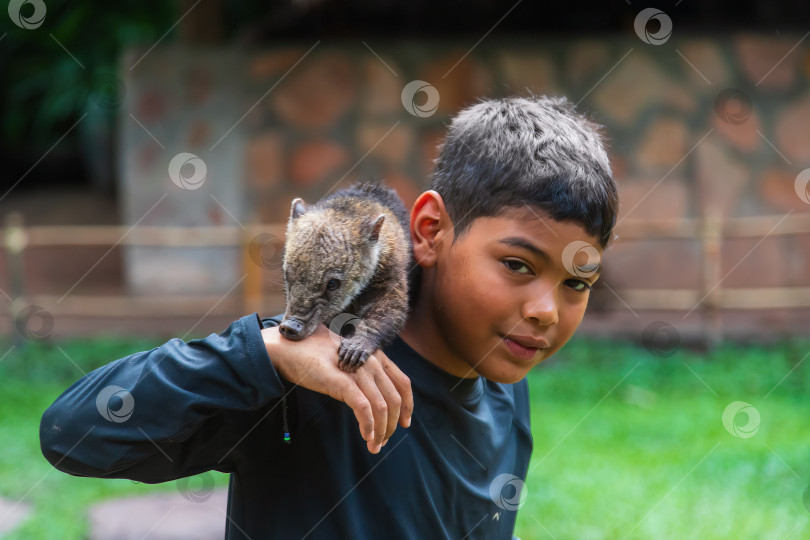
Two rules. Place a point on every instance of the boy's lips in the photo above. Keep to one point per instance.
(524, 347)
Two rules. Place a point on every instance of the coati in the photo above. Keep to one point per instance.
(347, 257)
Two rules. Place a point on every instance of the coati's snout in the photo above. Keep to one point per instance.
(292, 329)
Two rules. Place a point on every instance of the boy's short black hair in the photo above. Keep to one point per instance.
(535, 152)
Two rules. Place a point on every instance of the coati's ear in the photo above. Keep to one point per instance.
(298, 208)
(375, 227)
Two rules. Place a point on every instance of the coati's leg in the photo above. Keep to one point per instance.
(381, 320)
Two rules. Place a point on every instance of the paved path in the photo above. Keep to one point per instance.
(11, 515)
(160, 517)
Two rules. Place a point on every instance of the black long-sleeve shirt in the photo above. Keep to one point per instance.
(216, 404)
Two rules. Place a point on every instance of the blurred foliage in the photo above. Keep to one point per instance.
(46, 88)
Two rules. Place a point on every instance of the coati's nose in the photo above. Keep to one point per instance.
(291, 328)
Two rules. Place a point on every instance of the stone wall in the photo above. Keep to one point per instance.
(696, 125)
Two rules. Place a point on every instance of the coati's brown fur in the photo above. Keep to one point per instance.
(348, 255)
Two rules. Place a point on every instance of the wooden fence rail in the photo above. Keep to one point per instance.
(710, 297)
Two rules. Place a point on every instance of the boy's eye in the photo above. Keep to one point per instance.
(517, 266)
(578, 285)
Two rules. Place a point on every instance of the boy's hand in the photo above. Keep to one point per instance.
(378, 392)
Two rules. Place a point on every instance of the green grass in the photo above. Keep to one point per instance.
(626, 445)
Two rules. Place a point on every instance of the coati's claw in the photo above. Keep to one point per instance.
(354, 353)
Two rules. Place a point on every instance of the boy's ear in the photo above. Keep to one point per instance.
(430, 225)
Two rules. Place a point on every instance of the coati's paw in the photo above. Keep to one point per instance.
(354, 352)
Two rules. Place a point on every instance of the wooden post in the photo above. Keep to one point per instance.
(15, 241)
(252, 294)
(710, 238)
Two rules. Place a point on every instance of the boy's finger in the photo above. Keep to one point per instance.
(403, 385)
(392, 398)
(354, 397)
(379, 407)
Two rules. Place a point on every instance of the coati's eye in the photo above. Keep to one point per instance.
(332, 284)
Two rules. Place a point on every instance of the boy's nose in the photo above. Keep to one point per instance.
(542, 307)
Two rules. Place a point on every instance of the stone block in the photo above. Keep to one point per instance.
(765, 60)
(636, 83)
(264, 160)
(318, 92)
(458, 86)
(313, 161)
(792, 131)
(708, 58)
(584, 64)
(381, 89)
(529, 70)
(393, 149)
(663, 144)
(777, 190)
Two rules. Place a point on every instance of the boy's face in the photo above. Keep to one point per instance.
(506, 295)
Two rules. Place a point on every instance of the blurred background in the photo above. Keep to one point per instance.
(150, 151)
(706, 111)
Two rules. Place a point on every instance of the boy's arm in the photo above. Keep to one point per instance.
(177, 410)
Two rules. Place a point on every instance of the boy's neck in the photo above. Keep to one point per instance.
(422, 334)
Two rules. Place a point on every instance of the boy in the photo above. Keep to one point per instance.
(521, 190)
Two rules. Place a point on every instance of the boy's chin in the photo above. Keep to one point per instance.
(503, 371)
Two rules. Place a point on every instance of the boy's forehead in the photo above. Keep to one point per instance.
(532, 219)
